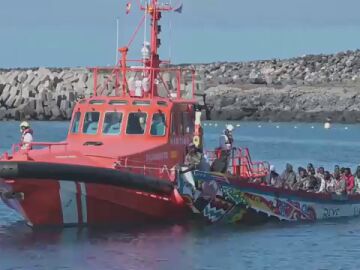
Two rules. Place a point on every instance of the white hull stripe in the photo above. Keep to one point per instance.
(68, 200)
(83, 202)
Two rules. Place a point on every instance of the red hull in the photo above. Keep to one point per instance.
(64, 203)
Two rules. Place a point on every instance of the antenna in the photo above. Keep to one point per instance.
(117, 42)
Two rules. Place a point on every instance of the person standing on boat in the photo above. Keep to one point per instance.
(26, 135)
(226, 141)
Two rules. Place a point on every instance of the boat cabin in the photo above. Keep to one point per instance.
(127, 120)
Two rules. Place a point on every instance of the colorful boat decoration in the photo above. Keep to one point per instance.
(231, 199)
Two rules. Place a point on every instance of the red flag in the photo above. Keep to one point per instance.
(128, 7)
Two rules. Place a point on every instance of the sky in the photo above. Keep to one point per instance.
(73, 33)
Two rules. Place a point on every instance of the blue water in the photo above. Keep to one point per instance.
(324, 245)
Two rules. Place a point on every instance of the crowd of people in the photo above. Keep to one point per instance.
(340, 181)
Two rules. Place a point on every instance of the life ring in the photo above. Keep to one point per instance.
(196, 141)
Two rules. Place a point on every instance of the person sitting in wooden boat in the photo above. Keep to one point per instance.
(313, 183)
(340, 186)
(349, 180)
(320, 172)
(273, 178)
(310, 169)
(320, 175)
(336, 173)
(342, 171)
(300, 179)
(330, 182)
(26, 135)
(288, 177)
(357, 180)
(304, 181)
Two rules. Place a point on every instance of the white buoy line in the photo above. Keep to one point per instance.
(327, 125)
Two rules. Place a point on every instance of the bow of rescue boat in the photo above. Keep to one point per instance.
(119, 160)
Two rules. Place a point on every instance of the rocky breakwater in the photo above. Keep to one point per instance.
(309, 88)
(291, 103)
(42, 94)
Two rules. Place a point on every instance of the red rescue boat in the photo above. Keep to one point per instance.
(117, 165)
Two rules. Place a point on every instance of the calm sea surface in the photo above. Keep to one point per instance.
(325, 245)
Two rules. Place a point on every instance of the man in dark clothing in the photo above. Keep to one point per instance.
(193, 157)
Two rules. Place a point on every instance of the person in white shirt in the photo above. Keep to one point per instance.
(26, 135)
(226, 139)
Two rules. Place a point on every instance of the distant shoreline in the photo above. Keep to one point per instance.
(312, 88)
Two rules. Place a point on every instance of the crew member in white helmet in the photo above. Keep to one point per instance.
(26, 135)
(226, 139)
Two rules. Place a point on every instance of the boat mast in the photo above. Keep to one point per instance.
(152, 64)
(154, 9)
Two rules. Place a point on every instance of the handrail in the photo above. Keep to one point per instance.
(241, 163)
(113, 74)
(18, 146)
(157, 171)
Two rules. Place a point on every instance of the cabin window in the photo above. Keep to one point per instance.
(188, 125)
(76, 123)
(96, 102)
(112, 123)
(158, 124)
(136, 123)
(91, 122)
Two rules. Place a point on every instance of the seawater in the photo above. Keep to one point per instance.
(323, 245)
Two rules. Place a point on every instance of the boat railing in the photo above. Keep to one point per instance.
(241, 163)
(174, 83)
(19, 147)
(150, 169)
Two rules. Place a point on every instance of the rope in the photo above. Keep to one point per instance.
(136, 31)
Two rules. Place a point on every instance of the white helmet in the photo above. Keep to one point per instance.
(229, 127)
(24, 124)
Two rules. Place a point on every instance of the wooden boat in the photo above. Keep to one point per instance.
(232, 198)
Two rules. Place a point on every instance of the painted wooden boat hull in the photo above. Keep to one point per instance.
(221, 199)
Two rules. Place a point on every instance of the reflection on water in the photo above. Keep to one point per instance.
(323, 245)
